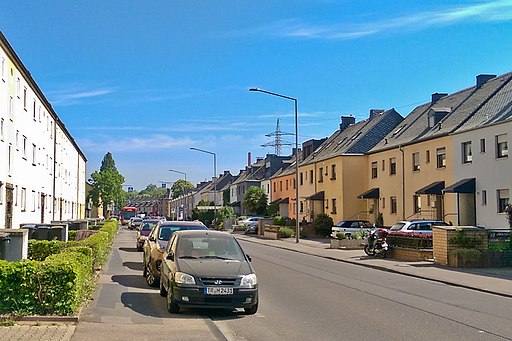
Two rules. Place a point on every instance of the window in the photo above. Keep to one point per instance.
(427, 156)
(393, 205)
(34, 200)
(25, 99)
(482, 145)
(321, 175)
(501, 146)
(311, 176)
(416, 162)
(34, 149)
(281, 186)
(17, 142)
(294, 184)
(383, 165)
(1, 193)
(484, 197)
(301, 179)
(11, 106)
(24, 147)
(2, 129)
(275, 186)
(286, 184)
(441, 157)
(333, 206)
(301, 207)
(392, 166)
(502, 199)
(417, 203)
(333, 172)
(18, 87)
(9, 161)
(374, 169)
(467, 156)
(383, 203)
(23, 199)
(34, 109)
(3, 68)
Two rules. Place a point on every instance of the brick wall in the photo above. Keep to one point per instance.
(411, 255)
(441, 236)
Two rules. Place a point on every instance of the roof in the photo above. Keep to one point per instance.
(357, 138)
(463, 105)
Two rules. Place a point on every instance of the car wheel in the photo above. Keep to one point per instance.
(144, 269)
(150, 278)
(163, 292)
(252, 310)
(172, 306)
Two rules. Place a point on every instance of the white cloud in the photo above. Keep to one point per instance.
(500, 10)
(73, 96)
(128, 144)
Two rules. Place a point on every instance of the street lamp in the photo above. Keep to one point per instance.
(297, 230)
(183, 192)
(214, 180)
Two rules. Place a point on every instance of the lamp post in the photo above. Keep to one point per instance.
(183, 192)
(297, 229)
(214, 180)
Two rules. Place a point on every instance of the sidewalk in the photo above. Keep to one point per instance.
(496, 281)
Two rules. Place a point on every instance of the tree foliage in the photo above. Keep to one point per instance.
(180, 187)
(255, 200)
(152, 190)
(107, 184)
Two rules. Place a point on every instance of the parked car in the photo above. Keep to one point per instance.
(416, 226)
(135, 223)
(251, 224)
(207, 269)
(155, 244)
(143, 232)
(350, 226)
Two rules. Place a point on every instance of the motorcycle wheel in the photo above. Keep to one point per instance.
(367, 250)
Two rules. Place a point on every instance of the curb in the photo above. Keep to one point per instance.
(383, 268)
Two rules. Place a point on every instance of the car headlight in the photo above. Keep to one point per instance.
(249, 281)
(183, 278)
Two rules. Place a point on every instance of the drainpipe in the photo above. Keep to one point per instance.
(403, 182)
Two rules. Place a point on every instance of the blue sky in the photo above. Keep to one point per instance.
(148, 81)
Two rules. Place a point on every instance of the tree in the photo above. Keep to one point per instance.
(107, 184)
(152, 190)
(255, 200)
(180, 187)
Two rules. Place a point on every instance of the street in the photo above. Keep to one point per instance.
(302, 297)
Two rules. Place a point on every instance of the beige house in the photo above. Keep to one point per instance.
(411, 171)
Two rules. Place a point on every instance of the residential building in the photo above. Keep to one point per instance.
(43, 170)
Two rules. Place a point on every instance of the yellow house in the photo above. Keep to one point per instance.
(331, 178)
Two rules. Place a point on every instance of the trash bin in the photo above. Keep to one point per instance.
(57, 233)
(42, 233)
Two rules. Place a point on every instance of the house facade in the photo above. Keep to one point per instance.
(43, 171)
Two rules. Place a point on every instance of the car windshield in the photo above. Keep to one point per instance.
(166, 232)
(397, 227)
(209, 248)
(147, 226)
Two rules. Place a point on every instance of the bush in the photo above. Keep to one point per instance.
(410, 240)
(358, 235)
(40, 249)
(323, 224)
(285, 232)
(468, 255)
(340, 235)
(279, 220)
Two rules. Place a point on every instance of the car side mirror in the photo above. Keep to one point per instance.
(249, 258)
(170, 256)
(152, 239)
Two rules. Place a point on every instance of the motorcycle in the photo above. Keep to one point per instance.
(376, 244)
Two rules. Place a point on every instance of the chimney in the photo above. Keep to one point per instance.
(346, 121)
(375, 112)
(249, 159)
(482, 79)
(437, 96)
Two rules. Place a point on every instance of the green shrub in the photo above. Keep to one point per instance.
(468, 255)
(279, 220)
(71, 235)
(285, 232)
(323, 224)
(40, 249)
(357, 235)
(464, 241)
(341, 235)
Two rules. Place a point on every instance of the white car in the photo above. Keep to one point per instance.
(416, 226)
(251, 224)
(350, 226)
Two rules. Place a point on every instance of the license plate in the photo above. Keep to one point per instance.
(218, 291)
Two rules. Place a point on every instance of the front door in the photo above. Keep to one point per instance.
(43, 200)
(9, 203)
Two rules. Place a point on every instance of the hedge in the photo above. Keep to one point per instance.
(58, 276)
(410, 240)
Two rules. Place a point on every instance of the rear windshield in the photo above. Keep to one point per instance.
(167, 231)
(147, 226)
(397, 227)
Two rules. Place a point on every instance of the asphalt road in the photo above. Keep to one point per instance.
(302, 297)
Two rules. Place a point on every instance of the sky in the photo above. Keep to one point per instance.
(147, 81)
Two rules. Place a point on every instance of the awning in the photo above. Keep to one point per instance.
(434, 188)
(235, 204)
(285, 200)
(462, 186)
(277, 201)
(317, 196)
(370, 194)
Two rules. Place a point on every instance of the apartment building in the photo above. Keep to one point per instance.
(42, 169)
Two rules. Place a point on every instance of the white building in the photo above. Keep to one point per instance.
(42, 169)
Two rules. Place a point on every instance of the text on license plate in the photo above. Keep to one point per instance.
(218, 291)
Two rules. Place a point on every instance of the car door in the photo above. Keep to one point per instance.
(149, 244)
(169, 265)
